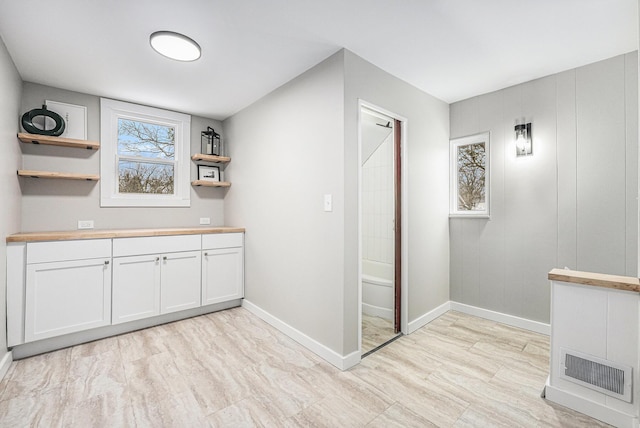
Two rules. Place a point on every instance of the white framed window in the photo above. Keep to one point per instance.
(470, 176)
(144, 156)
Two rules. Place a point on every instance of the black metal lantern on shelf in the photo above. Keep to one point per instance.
(210, 140)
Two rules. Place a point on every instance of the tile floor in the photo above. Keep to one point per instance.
(375, 332)
(231, 369)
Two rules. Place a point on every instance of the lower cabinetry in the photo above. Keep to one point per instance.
(222, 268)
(144, 286)
(66, 297)
(136, 288)
(67, 288)
(179, 281)
(63, 287)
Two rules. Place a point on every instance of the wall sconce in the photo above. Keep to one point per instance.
(524, 147)
(210, 141)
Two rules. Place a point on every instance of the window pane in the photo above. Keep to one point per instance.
(147, 140)
(145, 177)
(471, 177)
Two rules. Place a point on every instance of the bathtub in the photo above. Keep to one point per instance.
(377, 289)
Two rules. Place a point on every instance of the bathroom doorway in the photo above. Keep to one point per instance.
(380, 228)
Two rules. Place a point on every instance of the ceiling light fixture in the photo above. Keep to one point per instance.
(175, 46)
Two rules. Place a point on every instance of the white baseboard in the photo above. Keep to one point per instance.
(511, 320)
(332, 357)
(428, 317)
(590, 408)
(5, 363)
(377, 311)
(348, 361)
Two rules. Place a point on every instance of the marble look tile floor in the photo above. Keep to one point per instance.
(231, 369)
(375, 332)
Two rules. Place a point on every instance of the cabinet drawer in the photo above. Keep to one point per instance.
(58, 251)
(155, 245)
(222, 240)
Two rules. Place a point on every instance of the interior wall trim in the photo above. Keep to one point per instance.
(331, 356)
(428, 317)
(347, 361)
(507, 319)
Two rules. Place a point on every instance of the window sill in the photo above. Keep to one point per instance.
(480, 216)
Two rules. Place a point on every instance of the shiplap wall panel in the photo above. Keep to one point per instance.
(492, 280)
(601, 193)
(631, 121)
(566, 151)
(547, 209)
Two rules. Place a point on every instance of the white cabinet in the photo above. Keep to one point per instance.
(55, 288)
(63, 293)
(157, 283)
(222, 268)
(136, 288)
(180, 281)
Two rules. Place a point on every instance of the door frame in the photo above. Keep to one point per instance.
(404, 218)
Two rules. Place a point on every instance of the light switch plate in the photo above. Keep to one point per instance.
(85, 224)
(205, 220)
(328, 203)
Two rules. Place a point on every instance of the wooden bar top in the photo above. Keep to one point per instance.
(116, 233)
(596, 279)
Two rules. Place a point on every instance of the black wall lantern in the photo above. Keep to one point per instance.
(523, 140)
(210, 140)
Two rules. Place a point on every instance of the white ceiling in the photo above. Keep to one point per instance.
(452, 49)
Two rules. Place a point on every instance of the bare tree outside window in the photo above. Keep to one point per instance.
(470, 176)
(146, 157)
(138, 177)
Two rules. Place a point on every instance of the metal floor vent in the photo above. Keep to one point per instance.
(595, 373)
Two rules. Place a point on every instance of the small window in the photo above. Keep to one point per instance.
(144, 156)
(470, 176)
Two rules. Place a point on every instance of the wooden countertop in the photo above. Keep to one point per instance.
(69, 235)
(596, 279)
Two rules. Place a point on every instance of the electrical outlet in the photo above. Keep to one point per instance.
(85, 224)
(205, 220)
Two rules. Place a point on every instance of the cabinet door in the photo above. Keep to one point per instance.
(222, 275)
(180, 287)
(65, 297)
(136, 287)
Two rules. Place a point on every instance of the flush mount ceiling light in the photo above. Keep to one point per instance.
(175, 46)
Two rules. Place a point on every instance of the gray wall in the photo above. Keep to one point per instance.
(11, 90)
(301, 142)
(573, 203)
(428, 185)
(287, 152)
(59, 204)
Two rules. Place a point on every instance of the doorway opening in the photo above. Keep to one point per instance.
(380, 229)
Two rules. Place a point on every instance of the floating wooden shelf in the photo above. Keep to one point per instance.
(210, 158)
(58, 141)
(58, 175)
(210, 183)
